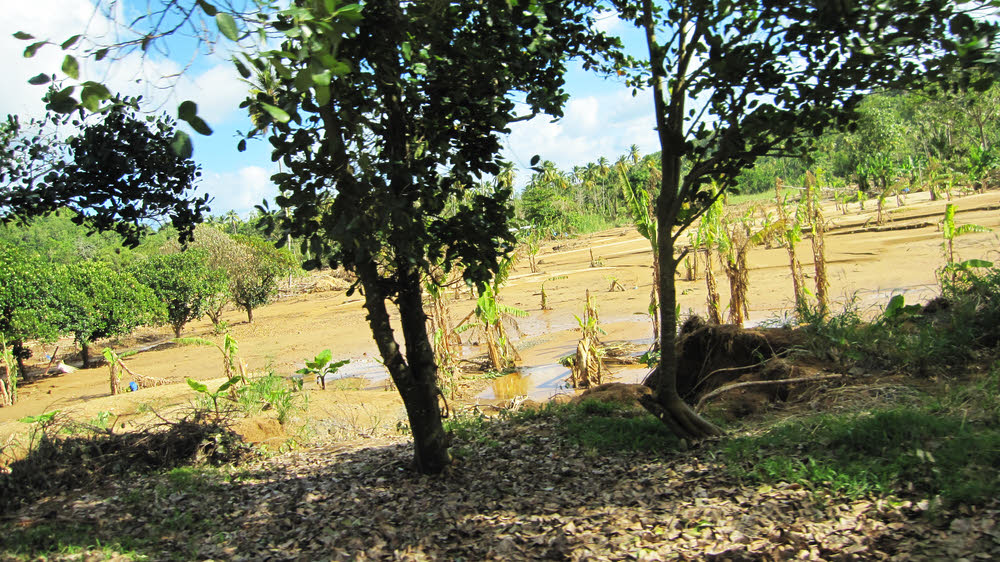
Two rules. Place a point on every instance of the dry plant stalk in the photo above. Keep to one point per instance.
(798, 279)
(8, 381)
(714, 300)
(818, 246)
(587, 367)
(739, 275)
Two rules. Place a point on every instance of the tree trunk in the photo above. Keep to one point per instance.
(416, 375)
(19, 354)
(666, 403)
(249, 315)
(85, 353)
(177, 330)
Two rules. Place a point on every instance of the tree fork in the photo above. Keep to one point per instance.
(415, 381)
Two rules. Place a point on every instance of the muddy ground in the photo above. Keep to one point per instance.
(865, 263)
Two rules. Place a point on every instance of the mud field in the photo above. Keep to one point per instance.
(865, 262)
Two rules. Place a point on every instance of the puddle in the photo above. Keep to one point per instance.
(373, 371)
(542, 382)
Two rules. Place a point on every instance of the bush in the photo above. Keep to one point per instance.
(31, 301)
(183, 281)
(105, 303)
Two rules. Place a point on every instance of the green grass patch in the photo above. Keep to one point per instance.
(595, 425)
(42, 540)
(907, 451)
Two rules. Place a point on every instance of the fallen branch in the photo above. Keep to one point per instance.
(719, 391)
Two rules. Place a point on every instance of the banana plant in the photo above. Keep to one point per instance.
(640, 206)
(322, 366)
(950, 231)
(491, 317)
(202, 388)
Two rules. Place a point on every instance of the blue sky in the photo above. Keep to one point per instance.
(602, 117)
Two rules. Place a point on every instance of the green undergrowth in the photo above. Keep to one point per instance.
(68, 539)
(592, 425)
(947, 446)
(950, 331)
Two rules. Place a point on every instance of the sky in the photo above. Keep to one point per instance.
(602, 118)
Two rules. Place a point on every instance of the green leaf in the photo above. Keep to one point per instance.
(31, 49)
(227, 26)
(93, 94)
(181, 145)
(350, 12)
(100, 54)
(226, 385)
(199, 125)
(322, 78)
(70, 42)
(322, 95)
(340, 68)
(39, 79)
(241, 68)
(242, 145)
(975, 263)
(209, 9)
(277, 113)
(71, 67)
(23, 36)
(187, 109)
(197, 386)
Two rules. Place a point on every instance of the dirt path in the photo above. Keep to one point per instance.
(869, 264)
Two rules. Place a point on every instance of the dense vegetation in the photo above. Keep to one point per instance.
(60, 281)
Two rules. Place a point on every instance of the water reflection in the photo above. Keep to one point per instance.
(545, 381)
(510, 386)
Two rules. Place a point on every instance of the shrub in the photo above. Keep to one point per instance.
(183, 281)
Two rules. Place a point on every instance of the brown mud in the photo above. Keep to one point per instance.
(864, 264)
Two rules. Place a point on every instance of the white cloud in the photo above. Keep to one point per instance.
(217, 89)
(594, 126)
(239, 190)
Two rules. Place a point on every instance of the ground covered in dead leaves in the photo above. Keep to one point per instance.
(519, 490)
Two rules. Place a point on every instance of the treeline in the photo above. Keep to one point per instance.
(901, 141)
(59, 281)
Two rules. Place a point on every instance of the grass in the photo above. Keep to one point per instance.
(927, 450)
(905, 339)
(65, 538)
(592, 425)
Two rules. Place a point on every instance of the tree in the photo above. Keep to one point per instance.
(104, 302)
(735, 81)
(182, 281)
(377, 140)
(119, 173)
(254, 274)
(31, 303)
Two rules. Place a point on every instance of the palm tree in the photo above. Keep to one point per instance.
(633, 154)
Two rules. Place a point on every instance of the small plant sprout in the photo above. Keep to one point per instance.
(615, 285)
(950, 231)
(545, 303)
(116, 366)
(229, 349)
(202, 388)
(322, 366)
